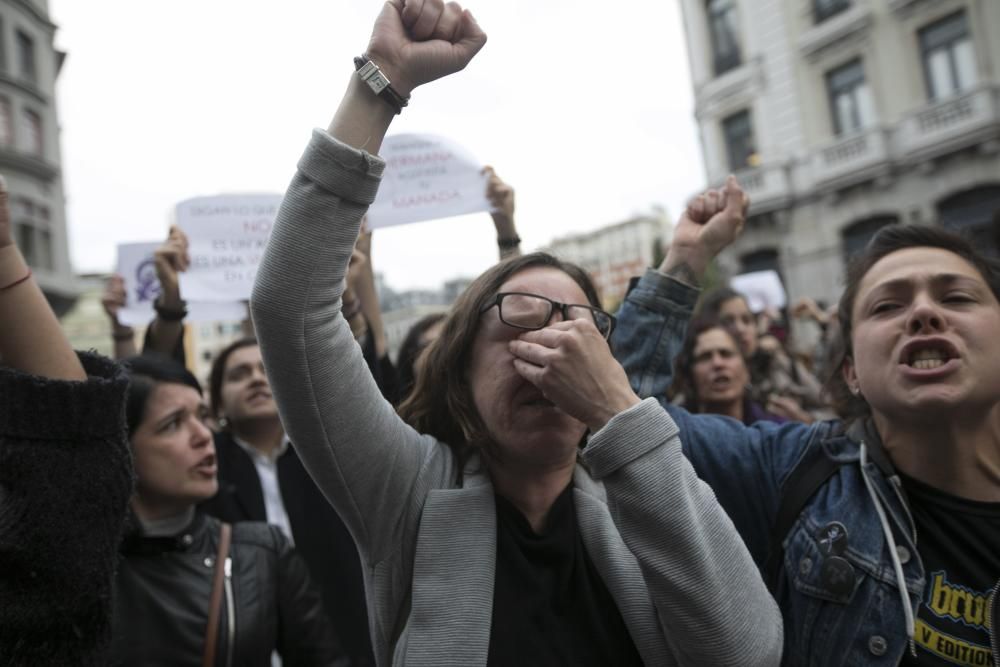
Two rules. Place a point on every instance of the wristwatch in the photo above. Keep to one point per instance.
(379, 83)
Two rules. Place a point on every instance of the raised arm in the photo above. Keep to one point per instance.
(501, 196)
(745, 466)
(362, 456)
(653, 319)
(166, 332)
(30, 337)
(113, 300)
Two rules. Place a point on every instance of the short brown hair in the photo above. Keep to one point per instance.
(888, 240)
(441, 403)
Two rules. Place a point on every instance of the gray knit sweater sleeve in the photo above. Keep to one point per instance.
(713, 606)
(370, 465)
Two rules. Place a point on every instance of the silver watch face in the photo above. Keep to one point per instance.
(372, 75)
(378, 82)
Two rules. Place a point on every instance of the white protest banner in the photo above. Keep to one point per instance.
(227, 235)
(426, 178)
(136, 266)
(763, 289)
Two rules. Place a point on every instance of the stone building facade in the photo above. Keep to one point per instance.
(30, 156)
(841, 116)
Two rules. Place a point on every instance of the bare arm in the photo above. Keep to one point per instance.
(171, 260)
(113, 300)
(30, 337)
(711, 222)
(501, 196)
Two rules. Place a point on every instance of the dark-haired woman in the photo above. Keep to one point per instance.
(833, 512)
(774, 374)
(413, 349)
(712, 375)
(484, 540)
(164, 585)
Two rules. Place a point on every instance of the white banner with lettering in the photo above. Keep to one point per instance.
(137, 268)
(426, 177)
(227, 235)
(763, 290)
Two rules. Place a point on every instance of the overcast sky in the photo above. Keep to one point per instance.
(588, 115)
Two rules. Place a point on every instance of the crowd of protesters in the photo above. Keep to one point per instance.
(534, 480)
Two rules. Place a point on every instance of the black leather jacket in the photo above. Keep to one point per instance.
(162, 594)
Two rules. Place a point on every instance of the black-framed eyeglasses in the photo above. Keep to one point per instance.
(523, 310)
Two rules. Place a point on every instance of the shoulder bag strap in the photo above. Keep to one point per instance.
(215, 601)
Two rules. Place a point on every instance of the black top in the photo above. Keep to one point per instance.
(163, 591)
(65, 481)
(959, 544)
(321, 537)
(550, 605)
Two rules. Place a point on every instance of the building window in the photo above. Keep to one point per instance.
(31, 130)
(740, 148)
(6, 123)
(3, 47)
(45, 258)
(949, 59)
(857, 235)
(26, 57)
(722, 25)
(824, 9)
(25, 234)
(974, 213)
(765, 259)
(850, 98)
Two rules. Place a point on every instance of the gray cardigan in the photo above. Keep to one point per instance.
(684, 583)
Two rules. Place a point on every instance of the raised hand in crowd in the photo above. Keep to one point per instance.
(30, 337)
(916, 385)
(501, 197)
(413, 43)
(711, 222)
(65, 478)
(113, 300)
(479, 459)
(166, 331)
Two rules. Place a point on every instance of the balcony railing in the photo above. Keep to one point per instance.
(767, 185)
(836, 29)
(851, 159)
(948, 125)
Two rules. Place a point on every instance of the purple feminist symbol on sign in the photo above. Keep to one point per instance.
(147, 286)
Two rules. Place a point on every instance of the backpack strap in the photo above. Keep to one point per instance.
(809, 474)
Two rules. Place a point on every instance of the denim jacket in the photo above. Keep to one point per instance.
(829, 620)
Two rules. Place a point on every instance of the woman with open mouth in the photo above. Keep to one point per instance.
(487, 537)
(713, 378)
(190, 589)
(880, 532)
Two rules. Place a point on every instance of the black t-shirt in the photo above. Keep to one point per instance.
(959, 544)
(550, 605)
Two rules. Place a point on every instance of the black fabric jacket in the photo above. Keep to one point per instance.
(162, 599)
(65, 481)
(321, 538)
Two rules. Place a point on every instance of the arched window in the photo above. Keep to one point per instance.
(765, 259)
(976, 214)
(856, 235)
